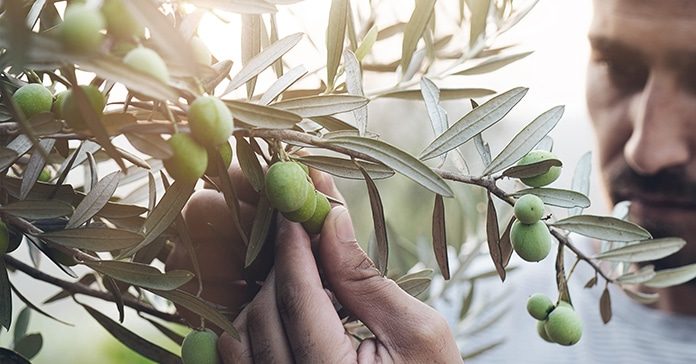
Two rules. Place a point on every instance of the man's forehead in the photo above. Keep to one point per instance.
(648, 25)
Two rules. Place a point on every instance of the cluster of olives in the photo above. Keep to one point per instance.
(291, 191)
(211, 124)
(200, 347)
(557, 323)
(529, 236)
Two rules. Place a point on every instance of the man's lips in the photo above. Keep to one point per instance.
(656, 201)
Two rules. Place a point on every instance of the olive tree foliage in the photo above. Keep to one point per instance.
(120, 240)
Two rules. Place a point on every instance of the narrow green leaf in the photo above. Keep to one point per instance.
(259, 230)
(230, 194)
(251, 45)
(506, 245)
(8, 156)
(200, 307)
(556, 197)
(603, 227)
(113, 288)
(95, 200)
(133, 340)
(21, 324)
(591, 283)
(416, 283)
(640, 276)
(354, 85)
(35, 166)
(94, 238)
(333, 124)
(414, 30)
(437, 114)
(398, 160)
(175, 337)
(282, 84)
(152, 145)
(479, 13)
(249, 164)
(642, 297)
(345, 168)
(37, 210)
(86, 280)
(643, 250)
(141, 275)
(30, 345)
(493, 235)
(366, 44)
(322, 105)
(532, 169)
(445, 94)
(335, 36)
(525, 140)
(262, 61)
(379, 223)
(473, 123)
(439, 231)
(493, 64)
(263, 116)
(605, 306)
(672, 277)
(5, 297)
(581, 179)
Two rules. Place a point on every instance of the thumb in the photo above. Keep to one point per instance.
(395, 317)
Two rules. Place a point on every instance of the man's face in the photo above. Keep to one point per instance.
(641, 94)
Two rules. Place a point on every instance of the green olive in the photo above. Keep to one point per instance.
(305, 212)
(200, 347)
(287, 186)
(33, 99)
(57, 108)
(539, 306)
(119, 22)
(531, 242)
(45, 175)
(147, 61)
(316, 222)
(81, 28)
(189, 158)
(210, 121)
(564, 326)
(71, 110)
(529, 209)
(541, 330)
(544, 178)
(225, 150)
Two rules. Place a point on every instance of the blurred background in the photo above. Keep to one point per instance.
(555, 74)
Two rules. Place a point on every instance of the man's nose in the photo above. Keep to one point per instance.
(660, 117)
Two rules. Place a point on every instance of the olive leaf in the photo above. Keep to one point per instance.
(152, 145)
(479, 12)
(249, 164)
(282, 84)
(414, 30)
(474, 122)
(556, 197)
(672, 277)
(437, 114)
(94, 238)
(378, 221)
(492, 64)
(141, 275)
(322, 105)
(506, 245)
(531, 169)
(35, 166)
(345, 168)
(493, 235)
(21, 324)
(439, 232)
(416, 283)
(32, 306)
(229, 192)
(445, 93)
(639, 276)
(5, 297)
(603, 227)
(178, 339)
(581, 179)
(37, 210)
(398, 160)
(251, 44)
(335, 36)
(111, 286)
(262, 116)
(605, 306)
(366, 44)
(94, 201)
(354, 81)
(642, 297)
(643, 250)
(259, 230)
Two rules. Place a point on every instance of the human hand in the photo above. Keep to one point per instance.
(293, 319)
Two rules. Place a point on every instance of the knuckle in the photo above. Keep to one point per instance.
(292, 300)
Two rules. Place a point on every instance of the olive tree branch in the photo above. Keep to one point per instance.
(488, 183)
(79, 288)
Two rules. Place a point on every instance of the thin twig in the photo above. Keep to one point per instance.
(78, 288)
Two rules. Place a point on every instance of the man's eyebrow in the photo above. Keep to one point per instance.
(613, 46)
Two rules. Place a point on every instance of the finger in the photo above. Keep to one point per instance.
(403, 323)
(325, 184)
(311, 324)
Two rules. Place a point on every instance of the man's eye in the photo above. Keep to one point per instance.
(627, 76)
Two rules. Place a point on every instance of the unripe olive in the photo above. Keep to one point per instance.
(45, 175)
(210, 121)
(201, 53)
(71, 110)
(529, 209)
(189, 159)
(81, 28)
(4, 239)
(58, 104)
(119, 21)
(33, 99)
(147, 61)
(200, 347)
(564, 326)
(122, 47)
(316, 222)
(531, 242)
(287, 186)
(544, 178)
(305, 212)
(225, 150)
(541, 330)
(539, 306)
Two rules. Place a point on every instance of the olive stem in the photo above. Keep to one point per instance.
(79, 288)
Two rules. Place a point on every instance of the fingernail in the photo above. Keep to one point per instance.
(344, 226)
